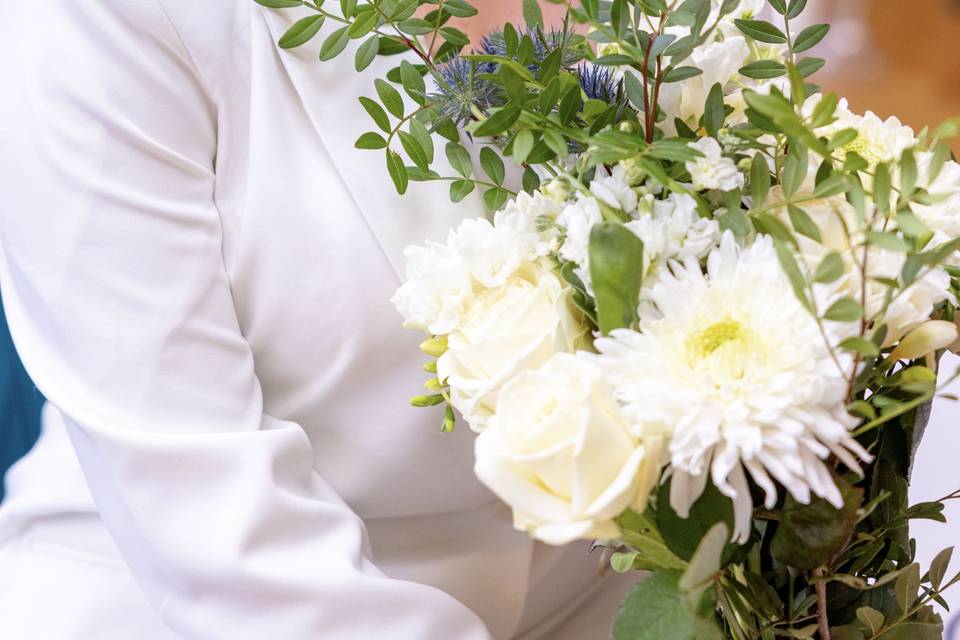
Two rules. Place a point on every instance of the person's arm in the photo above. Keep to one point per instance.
(118, 299)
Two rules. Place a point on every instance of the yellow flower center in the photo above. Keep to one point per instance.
(704, 342)
(864, 149)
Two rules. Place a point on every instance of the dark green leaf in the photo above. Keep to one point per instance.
(683, 535)
(761, 31)
(763, 69)
(415, 27)
(655, 610)
(454, 36)
(459, 8)
(682, 73)
(498, 122)
(780, 6)
(714, 114)
(759, 180)
(796, 8)
(492, 165)
(810, 37)
(414, 151)
(530, 179)
(495, 197)
(412, 82)
(616, 269)
(809, 535)
(532, 15)
(736, 221)
(363, 24)
(859, 345)
(809, 66)
(419, 131)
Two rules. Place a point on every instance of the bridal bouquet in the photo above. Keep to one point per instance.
(702, 324)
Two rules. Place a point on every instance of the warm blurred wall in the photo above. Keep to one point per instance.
(894, 57)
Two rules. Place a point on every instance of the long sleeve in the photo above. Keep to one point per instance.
(118, 299)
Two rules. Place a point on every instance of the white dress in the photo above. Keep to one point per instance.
(196, 266)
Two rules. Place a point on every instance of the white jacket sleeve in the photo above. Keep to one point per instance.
(121, 307)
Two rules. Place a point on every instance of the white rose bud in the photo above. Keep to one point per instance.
(930, 336)
(560, 453)
(505, 330)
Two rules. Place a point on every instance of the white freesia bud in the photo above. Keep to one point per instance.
(505, 330)
(560, 453)
(713, 170)
(556, 190)
(930, 336)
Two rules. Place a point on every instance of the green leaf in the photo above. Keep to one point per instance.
(871, 618)
(908, 173)
(810, 37)
(498, 122)
(335, 43)
(823, 112)
(419, 131)
(809, 66)
(795, 171)
(796, 8)
(415, 27)
(861, 346)
(616, 269)
(683, 535)
(803, 223)
(555, 141)
(390, 97)
(844, 310)
(413, 149)
(832, 186)
(761, 31)
(809, 535)
(780, 6)
(759, 180)
(763, 69)
(522, 145)
(830, 269)
(363, 24)
(938, 567)
(455, 37)
(569, 105)
(301, 31)
(789, 265)
(655, 610)
(347, 8)
(460, 189)
(915, 631)
(366, 53)
(532, 15)
(736, 221)
(459, 8)
(495, 197)
(772, 226)
(459, 159)
(682, 73)
(376, 112)
(370, 140)
(889, 241)
(412, 82)
(906, 587)
(279, 4)
(397, 171)
(531, 181)
(714, 114)
(492, 165)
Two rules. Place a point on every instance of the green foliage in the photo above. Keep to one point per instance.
(615, 253)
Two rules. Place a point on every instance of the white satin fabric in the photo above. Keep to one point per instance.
(196, 266)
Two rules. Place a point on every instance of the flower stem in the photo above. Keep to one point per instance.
(823, 624)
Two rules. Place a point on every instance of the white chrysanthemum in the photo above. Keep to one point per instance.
(436, 291)
(713, 170)
(733, 369)
(615, 190)
(943, 216)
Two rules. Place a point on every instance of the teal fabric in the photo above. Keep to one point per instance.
(20, 404)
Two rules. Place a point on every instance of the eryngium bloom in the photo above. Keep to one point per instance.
(461, 87)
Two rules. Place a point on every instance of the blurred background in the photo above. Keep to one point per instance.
(888, 56)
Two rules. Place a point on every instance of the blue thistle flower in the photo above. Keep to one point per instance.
(460, 88)
(544, 42)
(597, 82)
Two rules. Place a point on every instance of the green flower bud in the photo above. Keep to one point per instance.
(449, 420)
(427, 401)
(433, 384)
(435, 346)
(430, 367)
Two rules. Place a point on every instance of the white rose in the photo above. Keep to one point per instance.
(940, 216)
(615, 190)
(713, 170)
(437, 288)
(560, 453)
(505, 330)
